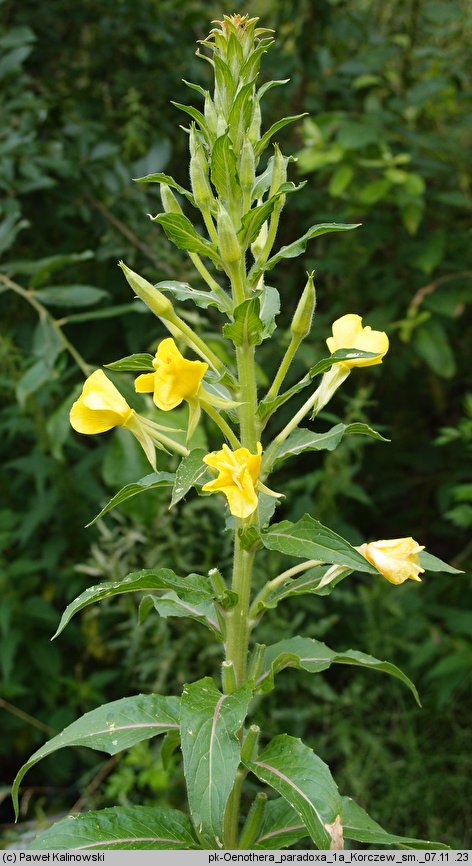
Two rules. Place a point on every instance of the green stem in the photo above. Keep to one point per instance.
(329, 385)
(210, 226)
(283, 369)
(278, 581)
(222, 424)
(211, 283)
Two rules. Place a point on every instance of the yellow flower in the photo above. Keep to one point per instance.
(175, 379)
(396, 559)
(348, 333)
(238, 478)
(100, 406)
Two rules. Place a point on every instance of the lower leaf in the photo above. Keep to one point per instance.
(126, 829)
(304, 781)
(314, 656)
(111, 728)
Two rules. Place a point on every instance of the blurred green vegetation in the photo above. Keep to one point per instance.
(86, 107)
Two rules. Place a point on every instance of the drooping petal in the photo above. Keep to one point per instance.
(144, 384)
(100, 406)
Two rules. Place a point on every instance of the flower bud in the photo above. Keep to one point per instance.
(279, 171)
(211, 116)
(199, 179)
(258, 246)
(228, 243)
(152, 297)
(247, 166)
(169, 201)
(254, 131)
(302, 318)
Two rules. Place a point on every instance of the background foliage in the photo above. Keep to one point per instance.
(87, 94)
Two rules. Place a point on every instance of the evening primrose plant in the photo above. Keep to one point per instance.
(238, 195)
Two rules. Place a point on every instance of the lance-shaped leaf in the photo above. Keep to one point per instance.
(433, 563)
(281, 826)
(268, 406)
(185, 292)
(308, 440)
(154, 481)
(170, 605)
(298, 247)
(210, 723)
(189, 471)
(311, 655)
(309, 539)
(304, 780)
(197, 116)
(133, 364)
(181, 232)
(270, 308)
(70, 296)
(264, 141)
(223, 167)
(111, 728)
(130, 828)
(194, 588)
(247, 326)
(253, 220)
(159, 177)
(359, 826)
(315, 581)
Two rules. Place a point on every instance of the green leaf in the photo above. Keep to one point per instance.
(210, 723)
(194, 587)
(358, 825)
(432, 344)
(32, 381)
(304, 780)
(309, 539)
(204, 612)
(71, 296)
(130, 828)
(109, 312)
(223, 168)
(264, 141)
(270, 308)
(268, 406)
(433, 563)
(159, 177)
(137, 363)
(307, 654)
(298, 247)
(197, 116)
(41, 269)
(247, 326)
(340, 180)
(307, 440)
(185, 292)
(111, 728)
(150, 482)
(253, 220)
(313, 581)
(281, 826)
(181, 232)
(190, 469)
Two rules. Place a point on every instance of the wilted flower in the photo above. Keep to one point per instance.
(396, 559)
(237, 479)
